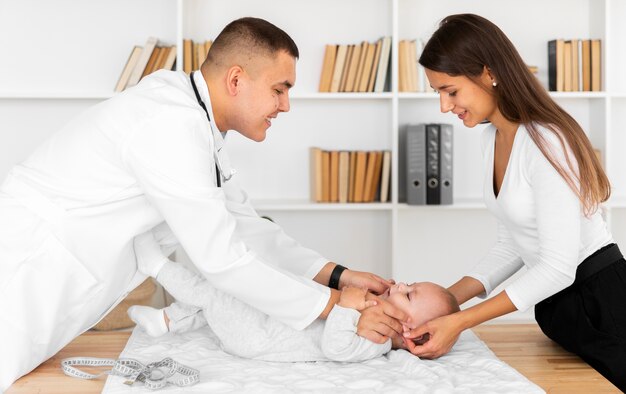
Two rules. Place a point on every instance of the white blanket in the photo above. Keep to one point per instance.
(469, 368)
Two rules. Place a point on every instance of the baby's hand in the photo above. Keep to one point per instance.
(353, 297)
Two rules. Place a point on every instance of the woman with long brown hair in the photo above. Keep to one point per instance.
(544, 184)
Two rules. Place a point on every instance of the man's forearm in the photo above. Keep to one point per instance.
(323, 276)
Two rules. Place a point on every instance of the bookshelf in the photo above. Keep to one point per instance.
(70, 54)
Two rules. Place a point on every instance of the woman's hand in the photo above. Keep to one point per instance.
(382, 321)
(444, 331)
(441, 334)
(367, 280)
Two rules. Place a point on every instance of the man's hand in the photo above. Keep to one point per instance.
(382, 321)
(367, 280)
(354, 298)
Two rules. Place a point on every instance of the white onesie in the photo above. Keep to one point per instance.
(249, 333)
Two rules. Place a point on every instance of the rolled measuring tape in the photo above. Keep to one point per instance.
(154, 375)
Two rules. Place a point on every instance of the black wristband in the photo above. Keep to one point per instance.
(333, 282)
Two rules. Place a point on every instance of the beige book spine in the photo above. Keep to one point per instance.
(327, 68)
(375, 64)
(338, 67)
(316, 174)
(187, 56)
(385, 176)
(352, 176)
(334, 176)
(344, 176)
(128, 68)
(359, 176)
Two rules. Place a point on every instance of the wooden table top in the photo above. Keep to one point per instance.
(523, 346)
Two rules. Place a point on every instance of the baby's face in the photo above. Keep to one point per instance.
(419, 300)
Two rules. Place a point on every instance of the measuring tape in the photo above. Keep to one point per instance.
(154, 375)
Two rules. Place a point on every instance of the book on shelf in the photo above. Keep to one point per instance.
(359, 176)
(334, 176)
(349, 176)
(355, 58)
(596, 66)
(575, 60)
(382, 75)
(402, 67)
(586, 65)
(567, 66)
(327, 68)
(160, 57)
(367, 67)
(133, 58)
(198, 50)
(325, 176)
(170, 60)
(152, 61)
(340, 60)
(360, 67)
(194, 53)
(162, 54)
(385, 176)
(571, 65)
(146, 54)
(344, 176)
(374, 190)
(316, 174)
(415, 68)
(187, 56)
(346, 67)
(408, 68)
(375, 63)
(352, 171)
(369, 175)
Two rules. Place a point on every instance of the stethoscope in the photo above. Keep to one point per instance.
(219, 173)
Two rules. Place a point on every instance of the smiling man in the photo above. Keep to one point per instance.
(152, 159)
(248, 83)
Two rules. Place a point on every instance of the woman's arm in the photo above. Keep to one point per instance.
(466, 289)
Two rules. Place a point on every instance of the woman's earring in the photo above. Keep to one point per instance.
(494, 83)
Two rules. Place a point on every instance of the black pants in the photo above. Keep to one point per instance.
(589, 317)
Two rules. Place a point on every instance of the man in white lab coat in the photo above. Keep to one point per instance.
(152, 157)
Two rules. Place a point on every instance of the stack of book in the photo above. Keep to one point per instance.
(194, 54)
(410, 75)
(350, 176)
(145, 60)
(357, 68)
(574, 65)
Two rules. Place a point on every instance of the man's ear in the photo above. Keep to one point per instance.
(233, 80)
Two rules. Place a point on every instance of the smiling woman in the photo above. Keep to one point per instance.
(544, 184)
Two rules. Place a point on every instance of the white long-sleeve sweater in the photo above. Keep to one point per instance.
(540, 223)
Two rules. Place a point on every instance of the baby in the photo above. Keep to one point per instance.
(246, 332)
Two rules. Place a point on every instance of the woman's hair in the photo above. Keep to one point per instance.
(465, 44)
(250, 37)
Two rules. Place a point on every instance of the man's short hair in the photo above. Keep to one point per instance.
(253, 36)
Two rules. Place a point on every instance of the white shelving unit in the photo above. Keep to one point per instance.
(63, 56)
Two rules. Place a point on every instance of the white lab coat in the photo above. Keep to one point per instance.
(68, 215)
